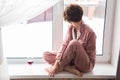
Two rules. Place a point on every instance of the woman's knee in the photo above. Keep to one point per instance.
(45, 54)
(49, 57)
(74, 42)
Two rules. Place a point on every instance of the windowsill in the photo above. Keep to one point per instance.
(17, 71)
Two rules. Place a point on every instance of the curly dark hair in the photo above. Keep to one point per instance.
(73, 13)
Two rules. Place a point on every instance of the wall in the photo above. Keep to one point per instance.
(116, 37)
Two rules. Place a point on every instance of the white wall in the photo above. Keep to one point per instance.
(1, 55)
(116, 36)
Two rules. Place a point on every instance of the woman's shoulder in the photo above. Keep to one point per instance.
(88, 28)
(89, 31)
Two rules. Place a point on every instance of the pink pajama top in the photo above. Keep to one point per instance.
(87, 39)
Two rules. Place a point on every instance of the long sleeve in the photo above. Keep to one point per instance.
(91, 47)
(88, 41)
(65, 43)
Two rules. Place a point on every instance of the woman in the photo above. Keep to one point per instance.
(78, 52)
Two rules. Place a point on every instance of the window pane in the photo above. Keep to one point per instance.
(94, 16)
(29, 39)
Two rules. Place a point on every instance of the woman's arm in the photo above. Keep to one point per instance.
(62, 48)
(91, 47)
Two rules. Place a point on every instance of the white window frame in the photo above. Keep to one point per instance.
(108, 32)
(57, 31)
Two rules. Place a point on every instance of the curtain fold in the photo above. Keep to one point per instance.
(12, 11)
(4, 75)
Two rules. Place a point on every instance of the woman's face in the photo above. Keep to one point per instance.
(72, 23)
(75, 24)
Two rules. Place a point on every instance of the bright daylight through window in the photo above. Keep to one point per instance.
(28, 39)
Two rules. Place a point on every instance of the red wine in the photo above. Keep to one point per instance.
(30, 62)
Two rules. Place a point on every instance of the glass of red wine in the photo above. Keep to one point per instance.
(30, 60)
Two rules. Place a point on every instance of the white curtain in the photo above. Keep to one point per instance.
(16, 11)
(21, 10)
(4, 75)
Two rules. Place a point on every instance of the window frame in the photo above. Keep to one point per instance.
(57, 32)
(108, 32)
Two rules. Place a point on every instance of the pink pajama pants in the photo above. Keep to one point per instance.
(75, 55)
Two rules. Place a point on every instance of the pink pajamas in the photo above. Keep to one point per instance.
(76, 54)
(81, 52)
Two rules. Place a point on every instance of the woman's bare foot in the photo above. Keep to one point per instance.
(54, 69)
(73, 70)
(50, 71)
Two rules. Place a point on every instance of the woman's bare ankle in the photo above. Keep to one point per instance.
(58, 67)
(72, 69)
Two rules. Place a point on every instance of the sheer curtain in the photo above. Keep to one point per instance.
(16, 11)
(20, 10)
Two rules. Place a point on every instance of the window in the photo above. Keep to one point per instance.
(29, 38)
